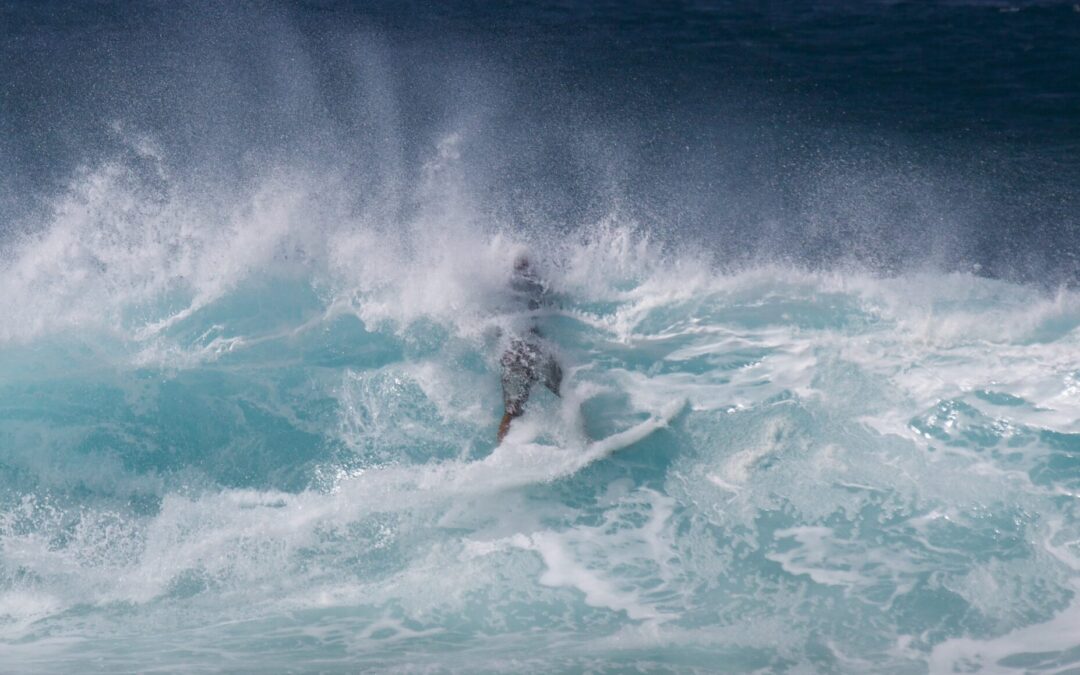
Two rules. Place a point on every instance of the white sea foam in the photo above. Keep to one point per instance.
(288, 410)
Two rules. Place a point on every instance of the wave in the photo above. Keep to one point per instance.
(265, 432)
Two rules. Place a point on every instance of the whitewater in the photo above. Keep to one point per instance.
(258, 434)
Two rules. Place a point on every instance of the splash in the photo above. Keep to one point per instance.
(269, 426)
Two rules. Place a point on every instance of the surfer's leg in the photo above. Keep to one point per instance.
(553, 375)
(516, 380)
(515, 392)
(504, 426)
(513, 407)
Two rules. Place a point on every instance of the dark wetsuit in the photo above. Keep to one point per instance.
(525, 361)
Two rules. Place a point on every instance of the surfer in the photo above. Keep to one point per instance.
(525, 360)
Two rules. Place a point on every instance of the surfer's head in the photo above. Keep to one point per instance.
(521, 263)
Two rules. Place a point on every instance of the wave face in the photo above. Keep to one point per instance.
(250, 335)
(272, 445)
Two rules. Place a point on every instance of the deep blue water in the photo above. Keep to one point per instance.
(814, 270)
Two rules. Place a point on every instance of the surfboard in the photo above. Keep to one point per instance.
(627, 437)
(515, 463)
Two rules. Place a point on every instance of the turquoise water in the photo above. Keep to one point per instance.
(269, 445)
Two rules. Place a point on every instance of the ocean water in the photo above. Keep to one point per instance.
(813, 273)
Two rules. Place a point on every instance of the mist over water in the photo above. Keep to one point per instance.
(813, 276)
(886, 135)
